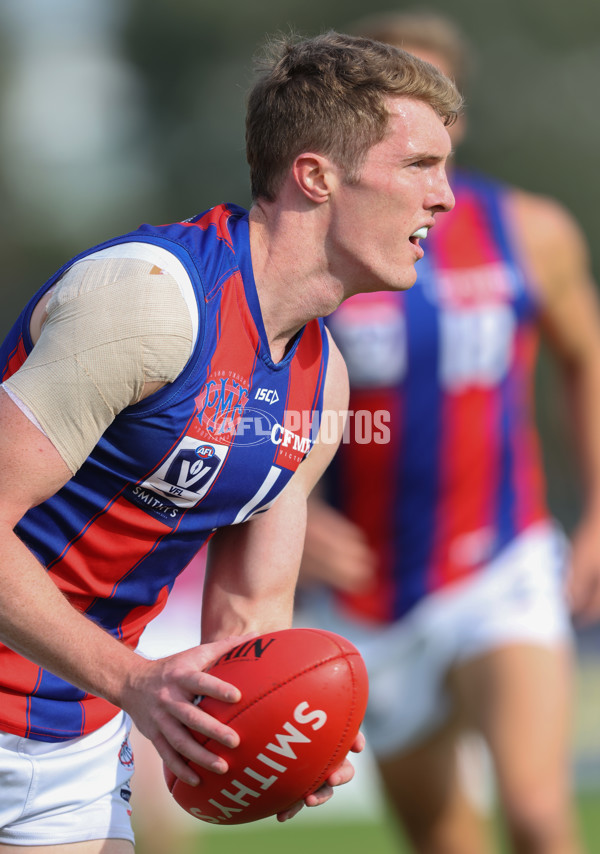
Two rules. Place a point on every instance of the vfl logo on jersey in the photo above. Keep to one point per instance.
(186, 476)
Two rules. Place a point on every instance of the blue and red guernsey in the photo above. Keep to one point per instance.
(452, 362)
(210, 449)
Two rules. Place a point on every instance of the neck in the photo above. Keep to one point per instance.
(290, 272)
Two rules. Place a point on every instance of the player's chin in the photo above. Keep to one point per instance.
(405, 280)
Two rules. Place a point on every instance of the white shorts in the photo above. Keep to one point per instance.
(70, 791)
(518, 598)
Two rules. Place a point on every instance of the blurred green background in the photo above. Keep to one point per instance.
(354, 837)
(115, 112)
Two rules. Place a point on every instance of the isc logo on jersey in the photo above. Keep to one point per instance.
(187, 474)
(269, 395)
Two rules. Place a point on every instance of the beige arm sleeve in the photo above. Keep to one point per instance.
(112, 325)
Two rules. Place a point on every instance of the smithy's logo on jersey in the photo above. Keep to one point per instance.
(188, 473)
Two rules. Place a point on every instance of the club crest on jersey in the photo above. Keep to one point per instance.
(221, 406)
(188, 472)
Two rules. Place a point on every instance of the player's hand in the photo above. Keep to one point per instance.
(336, 551)
(583, 581)
(343, 774)
(161, 701)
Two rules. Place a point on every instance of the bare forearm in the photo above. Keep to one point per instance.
(226, 614)
(252, 571)
(227, 610)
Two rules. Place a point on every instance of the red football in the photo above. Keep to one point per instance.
(304, 694)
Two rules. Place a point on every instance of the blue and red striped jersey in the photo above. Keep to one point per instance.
(208, 450)
(448, 366)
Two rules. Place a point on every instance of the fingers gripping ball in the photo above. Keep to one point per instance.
(304, 694)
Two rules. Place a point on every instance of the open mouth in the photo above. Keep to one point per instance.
(419, 234)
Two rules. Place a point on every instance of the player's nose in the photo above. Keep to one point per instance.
(441, 197)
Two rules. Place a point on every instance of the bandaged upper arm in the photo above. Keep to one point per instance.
(112, 326)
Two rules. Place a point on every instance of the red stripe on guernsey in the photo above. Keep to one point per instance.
(18, 671)
(307, 373)
(468, 479)
(469, 468)
(217, 216)
(232, 342)
(471, 232)
(244, 313)
(530, 490)
(231, 367)
(360, 466)
(15, 360)
(16, 707)
(122, 536)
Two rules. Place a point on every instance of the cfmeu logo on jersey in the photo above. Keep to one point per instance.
(187, 474)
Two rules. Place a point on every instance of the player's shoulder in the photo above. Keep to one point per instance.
(543, 222)
(119, 290)
(536, 214)
(551, 241)
(132, 275)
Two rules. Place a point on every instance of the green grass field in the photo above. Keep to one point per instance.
(307, 837)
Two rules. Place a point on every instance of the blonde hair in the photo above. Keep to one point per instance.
(327, 94)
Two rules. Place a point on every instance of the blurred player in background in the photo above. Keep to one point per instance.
(449, 572)
(123, 441)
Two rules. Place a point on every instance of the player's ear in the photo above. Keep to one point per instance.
(313, 175)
